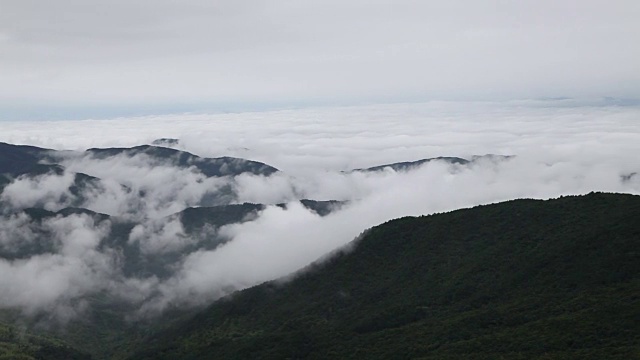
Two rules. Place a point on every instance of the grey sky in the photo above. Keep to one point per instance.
(124, 53)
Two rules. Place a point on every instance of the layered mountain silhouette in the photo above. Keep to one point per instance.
(199, 223)
(104, 329)
(32, 163)
(16, 160)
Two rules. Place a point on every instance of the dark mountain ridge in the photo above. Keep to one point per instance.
(31, 161)
(221, 166)
(21, 162)
(17, 159)
(519, 279)
(194, 218)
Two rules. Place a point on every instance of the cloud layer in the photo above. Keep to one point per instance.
(560, 149)
(361, 136)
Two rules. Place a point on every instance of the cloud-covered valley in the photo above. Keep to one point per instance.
(161, 229)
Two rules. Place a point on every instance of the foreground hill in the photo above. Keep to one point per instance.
(15, 344)
(521, 279)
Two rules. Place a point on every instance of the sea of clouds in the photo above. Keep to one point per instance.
(560, 148)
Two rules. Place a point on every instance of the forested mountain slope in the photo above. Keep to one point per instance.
(18, 345)
(520, 279)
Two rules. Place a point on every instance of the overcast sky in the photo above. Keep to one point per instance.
(166, 56)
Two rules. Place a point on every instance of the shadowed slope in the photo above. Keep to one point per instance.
(15, 344)
(520, 279)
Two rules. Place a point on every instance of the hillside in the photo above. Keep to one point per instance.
(15, 344)
(104, 330)
(521, 279)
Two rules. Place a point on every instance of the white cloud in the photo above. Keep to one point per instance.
(160, 236)
(57, 281)
(298, 141)
(16, 232)
(49, 191)
(139, 186)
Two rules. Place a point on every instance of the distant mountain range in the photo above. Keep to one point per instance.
(411, 165)
(29, 162)
(21, 159)
(223, 166)
(18, 160)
